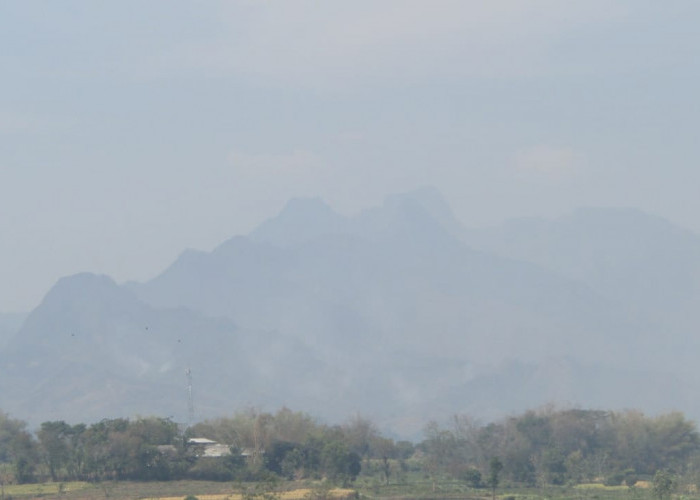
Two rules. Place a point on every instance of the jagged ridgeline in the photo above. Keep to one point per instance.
(398, 312)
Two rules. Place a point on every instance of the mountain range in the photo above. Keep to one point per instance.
(399, 313)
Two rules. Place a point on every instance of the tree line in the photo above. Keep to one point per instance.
(548, 446)
(537, 447)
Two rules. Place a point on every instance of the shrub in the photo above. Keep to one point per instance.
(471, 476)
(210, 469)
(614, 479)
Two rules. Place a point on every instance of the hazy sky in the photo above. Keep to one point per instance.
(131, 130)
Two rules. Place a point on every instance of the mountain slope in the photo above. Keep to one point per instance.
(388, 313)
(92, 350)
(646, 266)
(624, 254)
(10, 323)
(396, 277)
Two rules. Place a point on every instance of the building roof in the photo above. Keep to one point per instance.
(217, 450)
(204, 441)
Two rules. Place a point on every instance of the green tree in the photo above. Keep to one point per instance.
(339, 464)
(293, 464)
(384, 449)
(24, 457)
(440, 448)
(9, 429)
(663, 484)
(495, 468)
(54, 441)
(360, 434)
(275, 456)
(471, 476)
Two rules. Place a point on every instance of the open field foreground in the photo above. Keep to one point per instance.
(170, 490)
(300, 494)
(207, 490)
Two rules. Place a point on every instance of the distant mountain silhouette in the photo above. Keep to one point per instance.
(642, 263)
(624, 254)
(10, 323)
(399, 313)
(92, 350)
(390, 278)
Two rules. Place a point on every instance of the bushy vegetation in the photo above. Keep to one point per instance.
(535, 449)
(565, 446)
(261, 446)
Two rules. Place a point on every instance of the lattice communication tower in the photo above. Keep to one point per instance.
(190, 401)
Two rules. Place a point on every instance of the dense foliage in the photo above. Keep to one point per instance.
(556, 447)
(535, 448)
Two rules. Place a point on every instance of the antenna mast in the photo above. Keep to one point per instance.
(190, 401)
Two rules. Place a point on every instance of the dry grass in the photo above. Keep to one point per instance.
(599, 486)
(298, 494)
(41, 489)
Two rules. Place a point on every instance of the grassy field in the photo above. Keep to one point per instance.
(365, 490)
(42, 489)
(170, 490)
(299, 494)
